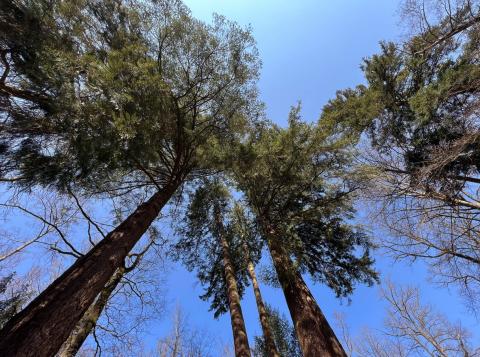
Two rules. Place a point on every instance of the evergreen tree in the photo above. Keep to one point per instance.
(12, 301)
(283, 334)
(416, 124)
(208, 245)
(296, 185)
(244, 227)
(110, 97)
(419, 105)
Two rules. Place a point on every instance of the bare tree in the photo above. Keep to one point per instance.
(183, 340)
(412, 328)
(46, 217)
(130, 298)
(416, 123)
(439, 20)
(424, 223)
(121, 282)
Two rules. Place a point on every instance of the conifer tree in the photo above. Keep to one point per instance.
(419, 106)
(107, 98)
(209, 246)
(245, 229)
(283, 334)
(296, 185)
(415, 124)
(11, 301)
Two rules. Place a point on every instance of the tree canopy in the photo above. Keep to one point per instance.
(297, 181)
(283, 334)
(139, 87)
(136, 105)
(418, 107)
(198, 245)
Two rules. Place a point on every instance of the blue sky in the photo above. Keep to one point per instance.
(310, 49)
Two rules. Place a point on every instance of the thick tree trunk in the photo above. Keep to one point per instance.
(240, 339)
(90, 318)
(314, 333)
(43, 326)
(262, 312)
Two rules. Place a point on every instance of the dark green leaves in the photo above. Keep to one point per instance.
(200, 241)
(299, 183)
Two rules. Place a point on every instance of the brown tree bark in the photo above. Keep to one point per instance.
(262, 312)
(43, 326)
(90, 318)
(240, 339)
(314, 333)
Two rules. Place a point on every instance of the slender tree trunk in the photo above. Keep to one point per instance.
(314, 333)
(42, 327)
(240, 339)
(262, 311)
(90, 318)
(242, 348)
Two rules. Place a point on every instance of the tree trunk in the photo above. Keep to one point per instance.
(262, 312)
(314, 333)
(240, 339)
(90, 318)
(43, 326)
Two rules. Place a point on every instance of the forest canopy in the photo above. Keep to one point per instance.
(138, 153)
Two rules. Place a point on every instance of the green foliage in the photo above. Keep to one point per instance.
(418, 105)
(283, 335)
(199, 246)
(97, 92)
(298, 183)
(12, 301)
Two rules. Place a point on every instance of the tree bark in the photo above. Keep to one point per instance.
(90, 318)
(262, 312)
(43, 326)
(240, 339)
(314, 333)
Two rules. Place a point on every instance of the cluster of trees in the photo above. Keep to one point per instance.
(412, 327)
(135, 107)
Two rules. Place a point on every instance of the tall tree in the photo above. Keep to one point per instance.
(247, 234)
(12, 300)
(184, 340)
(208, 245)
(416, 125)
(283, 334)
(412, 327)
(109, 97)
(295, 184)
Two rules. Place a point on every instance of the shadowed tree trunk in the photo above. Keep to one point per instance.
(314, 333)
(262, 311)
(240, 339)
(44, 325)
(90, 318)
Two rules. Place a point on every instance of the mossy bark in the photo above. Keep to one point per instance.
(90, 318)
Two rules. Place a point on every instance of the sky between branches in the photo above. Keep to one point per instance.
(310, 49)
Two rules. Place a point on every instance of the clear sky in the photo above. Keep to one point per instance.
(310, 49)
